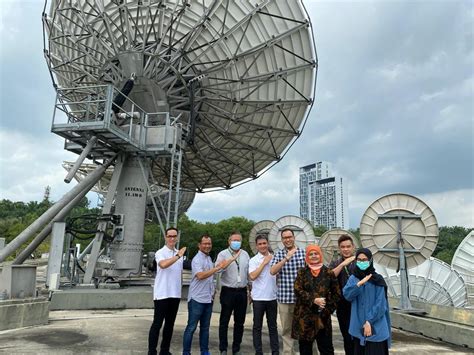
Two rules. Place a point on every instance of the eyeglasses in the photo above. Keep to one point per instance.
(171, 236)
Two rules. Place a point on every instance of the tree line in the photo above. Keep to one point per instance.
(16, 216)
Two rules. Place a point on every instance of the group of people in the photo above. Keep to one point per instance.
(293, 283)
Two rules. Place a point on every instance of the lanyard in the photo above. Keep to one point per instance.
(236, 260)
(237, 263)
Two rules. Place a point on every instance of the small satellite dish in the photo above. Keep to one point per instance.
(329, 246)
(303, 231)
(378, 230)
(463, 263)
(432, 282)
(401, 231)
(262, 227)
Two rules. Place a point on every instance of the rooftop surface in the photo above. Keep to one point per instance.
(126, 332)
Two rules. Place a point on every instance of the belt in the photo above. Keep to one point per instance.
(234, 288)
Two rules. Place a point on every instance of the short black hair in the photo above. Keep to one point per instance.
(206, 236)
(288, 230)
(343, 238)
(260, 237)
(171, 229)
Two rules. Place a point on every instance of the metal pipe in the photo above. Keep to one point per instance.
(85, 251)
(87, 149)
(54, 210)
(20, 259)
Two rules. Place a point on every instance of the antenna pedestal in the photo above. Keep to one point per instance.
(405, 304)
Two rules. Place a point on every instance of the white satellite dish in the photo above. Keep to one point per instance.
(329, 245)
(262, 227)
(463, 262)
(198, 95)
(401, 231)
(433, 282)
(303, 231)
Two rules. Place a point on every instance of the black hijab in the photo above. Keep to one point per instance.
(376, 278)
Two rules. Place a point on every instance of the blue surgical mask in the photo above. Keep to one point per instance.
(363, 265)
(235, 245)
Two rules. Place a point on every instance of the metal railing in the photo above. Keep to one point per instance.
(91, 109)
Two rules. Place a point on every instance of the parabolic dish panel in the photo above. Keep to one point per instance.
(433, 282)
(329, 245)
(262, 227)
(463, 259)
(303, 231)
(380, 233)
(254, 62)
(463, 262)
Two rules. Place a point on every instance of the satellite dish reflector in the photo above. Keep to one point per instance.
(303, 231)
(463, 262)
(329, 245)
(240, 75)
(419, 230)
(262, 227)
(433, 281)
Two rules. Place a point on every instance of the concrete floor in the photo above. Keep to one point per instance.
(126, 332)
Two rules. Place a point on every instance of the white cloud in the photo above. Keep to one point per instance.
(393, 110)
(453, 208)
(28, 166)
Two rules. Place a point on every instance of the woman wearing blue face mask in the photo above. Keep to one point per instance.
(370, 317)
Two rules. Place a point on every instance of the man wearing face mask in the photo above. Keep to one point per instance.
(233, 292)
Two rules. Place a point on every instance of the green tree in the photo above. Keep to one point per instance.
(448, 241)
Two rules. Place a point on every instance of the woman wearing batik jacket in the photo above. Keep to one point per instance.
(317, 293)
(370, 316)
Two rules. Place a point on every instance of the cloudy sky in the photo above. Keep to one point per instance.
(393, 113)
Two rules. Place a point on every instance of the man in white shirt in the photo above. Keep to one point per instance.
(264, 294)
(234, 298)
(166, 292)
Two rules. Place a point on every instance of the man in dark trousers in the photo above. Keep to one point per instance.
(234, 297)
(343, 268)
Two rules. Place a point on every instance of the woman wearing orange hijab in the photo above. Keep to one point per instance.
(317, 293)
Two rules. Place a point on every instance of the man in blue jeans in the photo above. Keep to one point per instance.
(200, 296)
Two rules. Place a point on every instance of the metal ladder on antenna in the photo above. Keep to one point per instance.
(174, 186)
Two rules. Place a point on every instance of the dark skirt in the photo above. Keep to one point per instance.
(371, 348)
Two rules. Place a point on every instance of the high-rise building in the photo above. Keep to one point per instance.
(323, 196)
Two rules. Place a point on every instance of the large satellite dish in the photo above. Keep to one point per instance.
(401, 231)
(239, 74)
(262, 227)
(186, 95)
(303, 231)
(463, 262)
(329, 246)
(433, 282)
